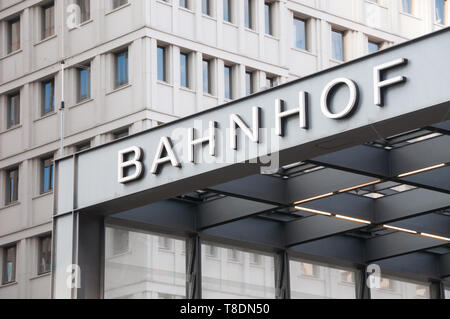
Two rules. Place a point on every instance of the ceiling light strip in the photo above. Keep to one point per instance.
(356, 220)
(313, 211)
(359, 186)
(434, 236)
(400, 229)
(426, 169)
(313, 198)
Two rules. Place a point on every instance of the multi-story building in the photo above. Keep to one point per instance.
(132, 65)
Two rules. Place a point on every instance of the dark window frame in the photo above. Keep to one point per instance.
(5, 280)
(12, 174)
(47, 163)
(48, 30)
(13, 110)
(51, 108)
(10, 44)
(118, 82)
(44, 268)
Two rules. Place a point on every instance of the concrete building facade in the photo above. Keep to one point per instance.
(132, 65)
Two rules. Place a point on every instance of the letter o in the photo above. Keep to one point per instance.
(351, 103)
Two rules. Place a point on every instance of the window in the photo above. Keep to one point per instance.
(184, 69)
(45, 253)
(48, 97)
(48, 20)
(84, 82)
(14, 35)
(120, 241)
(407, 6)
(391, 288)
(184, 4)
(373, 47)
(337, 39)
(13, 111)
(268, 17)
(162, 76)
(119, 3)
(121, 134)
(82, 146)
(85, 9)
(210, 250)
(255, 259)
(165, 243)
(206, 76)
(234, 255)
(9, 264)
(271, 82)
(230, 280)
(227, 10)
(206, 7)
(300, 33)
(248, 21)
(160, 271)
(121, 59)
(12, 186)
(321, 281)
(227, 82)
(441, 11)
(347, 276)
(311, 270)
(248, 83)
(46, 175)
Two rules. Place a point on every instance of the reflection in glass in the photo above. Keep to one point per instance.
(248, 83)
(227, 10)
(268, 18)
(248, 14)
(236, 274)
(313, 281)
(184, 70)
(407, 6)
(206, 77)
(399, 289)
(144, 271)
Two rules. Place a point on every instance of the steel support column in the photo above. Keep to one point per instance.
(282, 275)
(193, 268)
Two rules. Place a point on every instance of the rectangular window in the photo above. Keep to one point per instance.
(183, 4)
(84, 82)
(85, 9)
(206, 76)
(407, 6)
(373, 47)
(227, 82)
(271, 82)
(313, 281)
(12, 186)
(14, 35)
(227, 10)
(184, 69)
(48, 97)
(46, 175)
(162, 272)
(165, 243)
(391, 288)
(48, 20)
(9, 264)
(162, 64)
(300, 33)
(447, 292)
(119, 3)
(248, 21)
(121, 133)
(268, 17)
(441, 11)
(337, 39)
(236, 280)
(13, 112)
(248, 83)
(120, 241)
(83, 146)
(121, 68)
(45, 254)
(206, 7)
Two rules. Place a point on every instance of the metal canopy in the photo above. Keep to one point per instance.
(371, 188)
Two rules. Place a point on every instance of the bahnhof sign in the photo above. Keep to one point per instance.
(347, 168)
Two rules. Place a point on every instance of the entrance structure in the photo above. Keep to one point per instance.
(348, 166)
